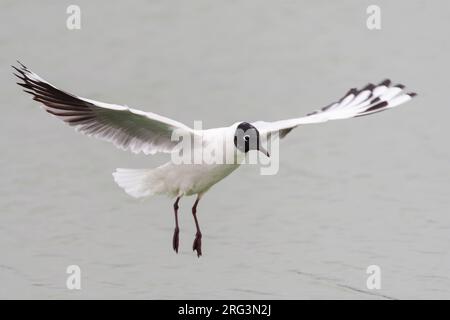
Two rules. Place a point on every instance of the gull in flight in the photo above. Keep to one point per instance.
(149, 133)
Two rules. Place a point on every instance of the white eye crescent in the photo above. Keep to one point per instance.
(246, 137)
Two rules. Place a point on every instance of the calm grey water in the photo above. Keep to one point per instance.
(349, 194)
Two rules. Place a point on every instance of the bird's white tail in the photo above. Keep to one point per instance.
(136, 182)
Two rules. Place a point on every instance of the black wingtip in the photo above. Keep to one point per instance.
(380, 105)
(19, 73)
(385, 82)
(17, 69)
(369, 86)
(24, 85)
(412, 94)
(21, 64)
(353, 91)
(20, 76)
(400, 86)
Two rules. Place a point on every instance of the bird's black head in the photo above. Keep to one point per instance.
(247, 138)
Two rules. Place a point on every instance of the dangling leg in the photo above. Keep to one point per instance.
(175, 240)
(198, 236)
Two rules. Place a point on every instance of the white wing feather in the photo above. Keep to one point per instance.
(128, 129)
(356, 103)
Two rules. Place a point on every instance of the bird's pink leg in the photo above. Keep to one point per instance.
(176, 232)
(197, 246)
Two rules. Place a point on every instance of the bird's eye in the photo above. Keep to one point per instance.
(247, 137)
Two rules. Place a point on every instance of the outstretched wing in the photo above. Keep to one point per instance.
(356, 103)
(128, 129)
